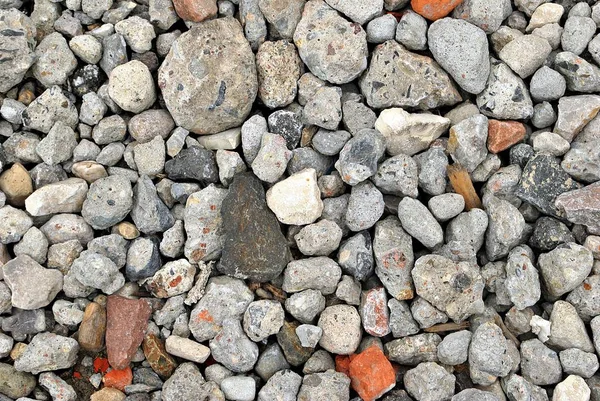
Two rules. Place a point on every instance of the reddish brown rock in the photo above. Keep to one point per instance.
(127, 320)
(92, 328)
(195, 10)
(158, 358)
(582, 206)
(504, 134)
(371, 373)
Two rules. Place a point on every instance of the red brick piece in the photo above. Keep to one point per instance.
(434, 9)
(118, 378)
(372, 374)
(195, 10)
(127, 320)
(503, 134)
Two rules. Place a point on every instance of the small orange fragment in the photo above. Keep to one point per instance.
(101, 365)
(342, 363)
(371, 373)
(118, 378)
(434, 9)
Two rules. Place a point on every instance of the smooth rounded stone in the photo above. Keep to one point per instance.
(16, 184)
(454, 348)
(341, 329)
(87, 48)
(462, 50)
(583, 298)
(330, 143)
(574, 113)
(505, 95)
(131, 87)
(62, 197)
(15, 384)
(577, 362)
(283, 386)
(412, 31)
(239, 388)
(111, 154)
(543, 115)
(97, 271)
(48, 108)
(233, 349)
(397, 77)
(432, 170)
(381, 29)
(58, 145)
(547, 84)
(241, 257)
(47, 352)
(34, 244)
(296, 200)
(55, 61)
(273, 359)
(65, 227)
(174, 278)
(108, 201)
(488, 354)
(572, 388)
(539, 364)
(149, 124)
(567, 330)
(581, 76)
(453, 287)
(446, 206)
(359, 156)
(272, 158)
(348, 57)
(565, 267)
(109, 129)
(324, 109)
(187, 349)
(550, 143)
(578, 31)
(365, 207)
(552, 33)
(18, 31)
(14, 223)
(202, 94)
(429, 381)
(305, 305)
(409, 133)
(467, 143)
(320, 238)
(525, 54)
(397, 175)
(320, 361)
(224, 298)
(505, 228)
(32, 286)
(418, 221)
(355, 256)
(485, 15)
(262, 319)
(582, 161)
(143, 259)
(286, 123)
(217, 373)
(278, 66)
(329, 385)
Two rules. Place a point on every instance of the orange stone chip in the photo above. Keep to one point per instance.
(342, 364)
(118, 378)
(434, 9)
(195, 10)
(503, 134)
(372, 374)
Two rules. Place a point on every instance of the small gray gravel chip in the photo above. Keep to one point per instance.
(108, 201)
(233, 349)
(565, 268)
(429, 381)
(418, 221)
(454, 348)
(342, 330)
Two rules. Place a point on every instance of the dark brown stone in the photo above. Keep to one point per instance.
(158, 358)
(253, 247)
(290, 344)
(127, 320)
(92, 328)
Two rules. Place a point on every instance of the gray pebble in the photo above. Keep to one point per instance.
(429, 381)
(381, 29)
(454, 348)
(412, 31)
(418, 221)
(365, 207)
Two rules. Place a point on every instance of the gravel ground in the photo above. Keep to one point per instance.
(281, 200)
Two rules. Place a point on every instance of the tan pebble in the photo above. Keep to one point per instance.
(108, 394)
(17, 351)
(16, 184)
(92, 328)
(127, 230)
(89, 171)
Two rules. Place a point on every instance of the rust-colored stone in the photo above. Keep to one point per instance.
(92, 328)
(118, 378)
(372, 374)
(158, 358)
(342, 364)
(195, 10)
(434, 9)
(462, 184)
(127, 320)
(503, 134)
(16, 184)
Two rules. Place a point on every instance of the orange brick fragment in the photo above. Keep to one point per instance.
(118, 378)
(371, 373)
(503, 134)
(462, 184)
(434, 9)
(342, 364)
